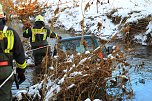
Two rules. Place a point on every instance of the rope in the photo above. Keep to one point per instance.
(8, 78)
(13, 72)
(36, 48)
(40, 48)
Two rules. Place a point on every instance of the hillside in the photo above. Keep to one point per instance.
(105, 18)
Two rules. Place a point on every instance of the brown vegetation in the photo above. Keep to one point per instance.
(129, 30)
(22, 9)
(82, 76)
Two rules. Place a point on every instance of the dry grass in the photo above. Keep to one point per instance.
(85, 76)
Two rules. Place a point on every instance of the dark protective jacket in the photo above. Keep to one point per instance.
(10, 48)
(17, 48)
(38, 34)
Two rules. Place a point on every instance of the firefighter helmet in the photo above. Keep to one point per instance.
(39, 18)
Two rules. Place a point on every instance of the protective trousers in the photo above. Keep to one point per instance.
(5, 90)
(39, 55)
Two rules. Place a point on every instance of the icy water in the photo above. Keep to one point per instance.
(141, 79)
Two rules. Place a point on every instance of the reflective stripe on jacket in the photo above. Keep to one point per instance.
(39, 32)
(8, 34)
(13, 45)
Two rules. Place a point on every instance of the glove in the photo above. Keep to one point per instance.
(21, 76)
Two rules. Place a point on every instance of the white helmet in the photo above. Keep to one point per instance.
(1, 12)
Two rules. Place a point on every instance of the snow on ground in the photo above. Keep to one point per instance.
(71, 16)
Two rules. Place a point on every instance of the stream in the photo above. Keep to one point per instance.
(141, 79)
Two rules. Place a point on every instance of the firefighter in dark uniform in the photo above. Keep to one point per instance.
(38, 39)
(10, 48)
